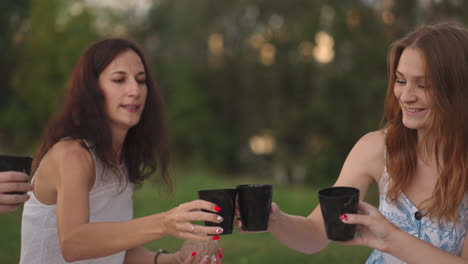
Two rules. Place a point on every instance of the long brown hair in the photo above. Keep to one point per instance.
(444, 47)
(146, 146)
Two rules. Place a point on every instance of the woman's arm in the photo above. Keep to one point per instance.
(80, 239)
(364, 164)
(379, 233)
(304, 234)
(414, 250)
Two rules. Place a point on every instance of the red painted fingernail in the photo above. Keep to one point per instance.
(194, 253)
(217, 208)
(219, 230)
(215, 237)
(344, 217)
(220, 256)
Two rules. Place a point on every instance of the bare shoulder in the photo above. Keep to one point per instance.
(365, 163)
(373, 141)
(71, 151)
(70, 156)
(67, 162)
(370, 149)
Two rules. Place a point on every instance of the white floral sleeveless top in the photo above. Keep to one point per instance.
(108, 202)
(448, 237)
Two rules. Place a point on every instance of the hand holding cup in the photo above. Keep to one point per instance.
(14, 171)
(335, 202)
(226, 200)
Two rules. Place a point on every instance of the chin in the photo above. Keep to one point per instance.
(135, 122)
(130, 124)
(413, 125)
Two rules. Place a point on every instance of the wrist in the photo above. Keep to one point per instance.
(159, 257)
(275, 221)
(392, 242)
(162, 227)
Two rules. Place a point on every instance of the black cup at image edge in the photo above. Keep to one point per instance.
(16, 163)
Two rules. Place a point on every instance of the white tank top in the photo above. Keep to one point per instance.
(108, 202)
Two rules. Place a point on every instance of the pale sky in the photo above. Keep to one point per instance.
(141, 7)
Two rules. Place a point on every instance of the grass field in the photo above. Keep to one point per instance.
(239, 248)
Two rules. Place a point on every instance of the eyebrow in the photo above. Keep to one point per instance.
(415, 77)
(123, 73)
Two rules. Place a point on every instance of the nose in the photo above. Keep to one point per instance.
(134, 89)
(408, 93)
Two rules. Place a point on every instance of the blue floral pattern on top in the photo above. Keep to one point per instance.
(448, 236)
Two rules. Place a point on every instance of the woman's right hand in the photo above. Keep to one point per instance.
(178, 221)
(274, 213)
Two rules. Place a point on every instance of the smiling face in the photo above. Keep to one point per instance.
(410, 89)
(123, 84)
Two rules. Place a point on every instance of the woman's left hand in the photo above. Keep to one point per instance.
(373, 228)
(196, 252)
(204, 260)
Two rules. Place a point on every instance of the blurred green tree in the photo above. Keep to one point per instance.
(281, 88)
(309, 74)
(47, 51)
(13, 16)
(235, 70)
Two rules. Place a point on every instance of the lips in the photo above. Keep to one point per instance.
(132, 108)
(413, 110)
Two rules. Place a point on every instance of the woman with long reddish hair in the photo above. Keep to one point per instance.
(419, 160)
(109, 136)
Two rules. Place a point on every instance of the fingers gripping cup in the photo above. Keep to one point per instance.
(226, 199)
(334, 202)
(255, 206)
(15, 163)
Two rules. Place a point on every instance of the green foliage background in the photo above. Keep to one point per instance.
(218, 100)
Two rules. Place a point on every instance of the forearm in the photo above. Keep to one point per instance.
(94, 240)
(413, 250)
(299, 233)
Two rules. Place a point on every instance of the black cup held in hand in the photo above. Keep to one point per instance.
(255, 206)
(15, 163)
(226, 199)
(334, 202)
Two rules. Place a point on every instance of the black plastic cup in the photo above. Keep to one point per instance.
(15, 163)
(255, 205)
(334, 202)
(226, 199)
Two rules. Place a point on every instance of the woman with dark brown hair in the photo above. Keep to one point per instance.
(109, 136)
(419, 160)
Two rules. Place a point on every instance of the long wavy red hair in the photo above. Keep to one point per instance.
(444, 47)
